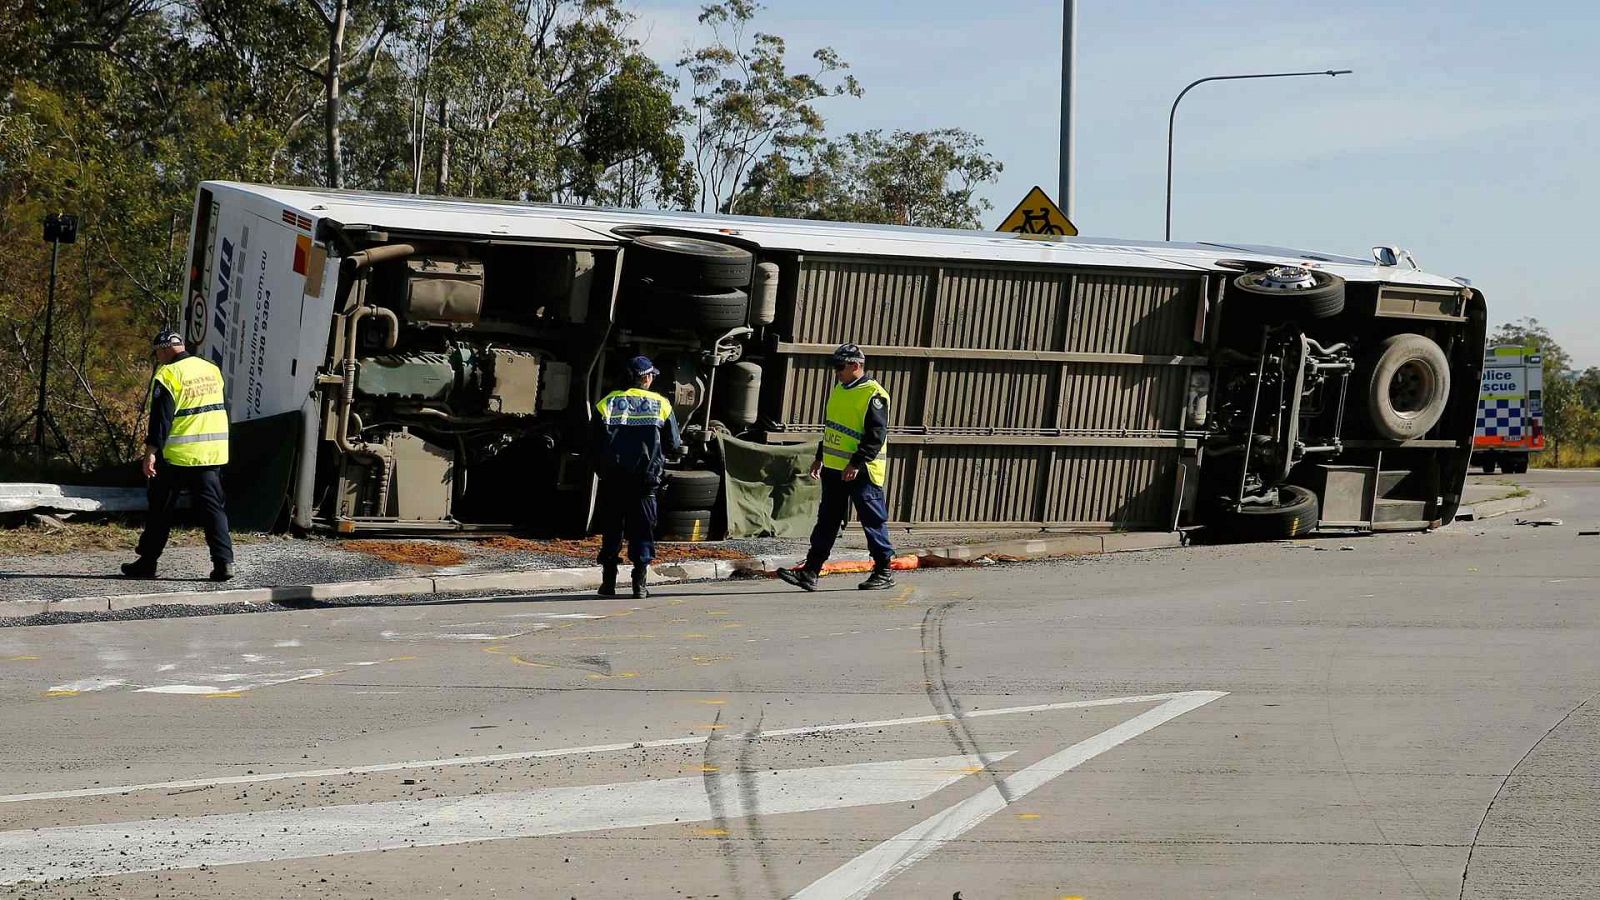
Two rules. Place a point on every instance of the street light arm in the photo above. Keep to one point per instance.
(1172, 116)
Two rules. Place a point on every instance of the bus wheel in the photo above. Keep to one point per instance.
(1517, 465)
(1407, 387)
(1488, 467)
(686, 525)
(1282, 293)
(689, 263)
(1293, 514)
(690, 488)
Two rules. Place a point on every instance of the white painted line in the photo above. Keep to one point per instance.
(107, 790)
(872, 869)
(85, 851)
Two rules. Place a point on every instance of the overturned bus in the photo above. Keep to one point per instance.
(399, 363)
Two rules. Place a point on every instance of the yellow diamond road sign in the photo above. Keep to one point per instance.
(1037, 214)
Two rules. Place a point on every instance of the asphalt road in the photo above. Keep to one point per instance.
(1414, 716)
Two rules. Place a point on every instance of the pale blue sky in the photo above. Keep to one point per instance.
(1467, 134)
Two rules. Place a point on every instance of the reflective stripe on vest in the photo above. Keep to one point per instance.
(199, 435)
(847, 417)
(634, 406)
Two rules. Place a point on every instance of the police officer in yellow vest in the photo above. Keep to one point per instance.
(185, 449)
(635, 431)
(852, 462)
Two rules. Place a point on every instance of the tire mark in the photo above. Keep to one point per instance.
(1467, 867)
(751, 802)
(934, 660)
(711, 779)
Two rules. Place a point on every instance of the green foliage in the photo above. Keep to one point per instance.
(923, 178)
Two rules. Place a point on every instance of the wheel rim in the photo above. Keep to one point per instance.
(1412, 388)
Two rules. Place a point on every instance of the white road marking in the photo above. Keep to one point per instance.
(107, 790)
(872, 869)
(84, 851)
(86, 685)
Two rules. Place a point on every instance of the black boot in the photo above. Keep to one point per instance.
(881, 579)
(608, 580)
(800, 576)
(222, 571)
(639, 590)
(140, 568)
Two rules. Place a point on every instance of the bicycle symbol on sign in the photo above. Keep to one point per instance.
(1037, 221)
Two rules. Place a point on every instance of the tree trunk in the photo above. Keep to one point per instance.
(441, 175)
(341, 14)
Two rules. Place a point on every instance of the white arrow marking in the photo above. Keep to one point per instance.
(160, 844)
(872, 869)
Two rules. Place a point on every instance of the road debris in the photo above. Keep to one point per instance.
(1536, 523)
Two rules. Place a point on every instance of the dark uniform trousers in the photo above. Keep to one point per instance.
(838, 496)
(204, 484)
(626, 507)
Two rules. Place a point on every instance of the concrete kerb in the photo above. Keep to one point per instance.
(588, 577)
(1492, 508)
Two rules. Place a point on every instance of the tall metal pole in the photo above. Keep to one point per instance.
(39, 412)
(1069, 87)
(1172, 117)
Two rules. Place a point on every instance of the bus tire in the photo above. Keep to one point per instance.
(721, 312)
(1487, 466)
(1408, 385)
(1516, 465)
(1273, 297)
(685, 525)
(1294, 515)
(690, 263)
(690, 489)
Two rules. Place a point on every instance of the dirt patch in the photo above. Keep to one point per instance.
(412, 553)
(588, 548)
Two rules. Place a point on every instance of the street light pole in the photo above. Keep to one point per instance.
(1069, 87)
(1172, 117)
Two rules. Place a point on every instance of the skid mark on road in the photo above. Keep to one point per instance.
(934, 660)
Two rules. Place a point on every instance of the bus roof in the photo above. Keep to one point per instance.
(589, 224)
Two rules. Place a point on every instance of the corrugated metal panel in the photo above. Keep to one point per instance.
(813, 379)
(1132, 314)
(997, 309)
(1098, 396)
(992, 393)
(1128, 487)
(863, 302)
(978, 484)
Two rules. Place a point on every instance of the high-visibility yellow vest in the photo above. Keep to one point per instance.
(199, 435)
(634, 406)
(847, 417)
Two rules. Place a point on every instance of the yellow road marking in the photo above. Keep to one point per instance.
(712, 832)
(218, 695)
(62, 693)
(714, 726)
(692, 635)
(712, 702)
(711, 768)
(599, 676)
(1028, 817)
(18, 658)
(733, 625)
(528, 662)
(399, 658)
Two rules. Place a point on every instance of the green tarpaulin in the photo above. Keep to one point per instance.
(767, 492)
